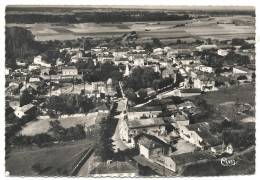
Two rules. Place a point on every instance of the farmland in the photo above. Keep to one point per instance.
(46, 161)
(214, 27)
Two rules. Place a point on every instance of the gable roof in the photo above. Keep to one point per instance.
(151, 142)
(203, 130)
(150, 122)
(69, 67)
(145, 109)
(114, 167)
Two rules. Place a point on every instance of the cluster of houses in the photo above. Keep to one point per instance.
(146, 129)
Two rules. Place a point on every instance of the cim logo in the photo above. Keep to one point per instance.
(228, 162)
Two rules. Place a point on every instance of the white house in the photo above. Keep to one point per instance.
(7, 71)
(204, 68)
(204, 83)
(39, 60)
(69, 71)
(34, 79)
(144, 112)
(206, 47)
(139, 62)
(21, 111)
(151, 147)
(223, 52)
(33, 67)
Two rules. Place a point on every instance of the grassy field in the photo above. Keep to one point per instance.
(242, 93)
(221, 103)
(198, 28)
(46, 161)
(43, 125)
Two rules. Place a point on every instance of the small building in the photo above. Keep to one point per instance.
(20, 63)
(7, 71)
(190, 92)
(40, 61)
(169, 73)
(114, 169)
(34, 67)
(186, 61)
(34, 79)
(181, 119)
(186, 105)
(150, 92)
(151, 147)
(223, 52)
(45, 71)
(242, 73)
(175, 163)
(179, 53)
(204, 83)
(106, 58)
(144, 112)
(139, 62)
(222, 150)
(129, 129)
(203, 68)
(171, 107)
(206, 47)
(69, 71)
(122, 60)
(24, 110)
(199, 134)
(240, 70)
(119, 53)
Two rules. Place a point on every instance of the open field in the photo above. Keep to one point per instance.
(43, 125)
(46, 161)
(242, 93)
(216, 100)
(197, 29)
(68, 89)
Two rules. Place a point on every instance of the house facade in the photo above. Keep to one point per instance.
(69, 71)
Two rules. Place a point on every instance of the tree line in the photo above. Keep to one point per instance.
(98, 17)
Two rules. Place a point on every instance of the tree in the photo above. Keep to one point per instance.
(19, 44)
(253, 76)
(57, 130)
(178, 41)
(26, 98)
(157, 42)
(130, 94)
(55, 103)
(155, 84)
(142, 94)
(103, 148)
(148, 47)
(209, 41)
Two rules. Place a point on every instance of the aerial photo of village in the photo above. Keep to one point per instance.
(129, 91)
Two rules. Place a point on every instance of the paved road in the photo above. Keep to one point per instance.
(118, 144)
